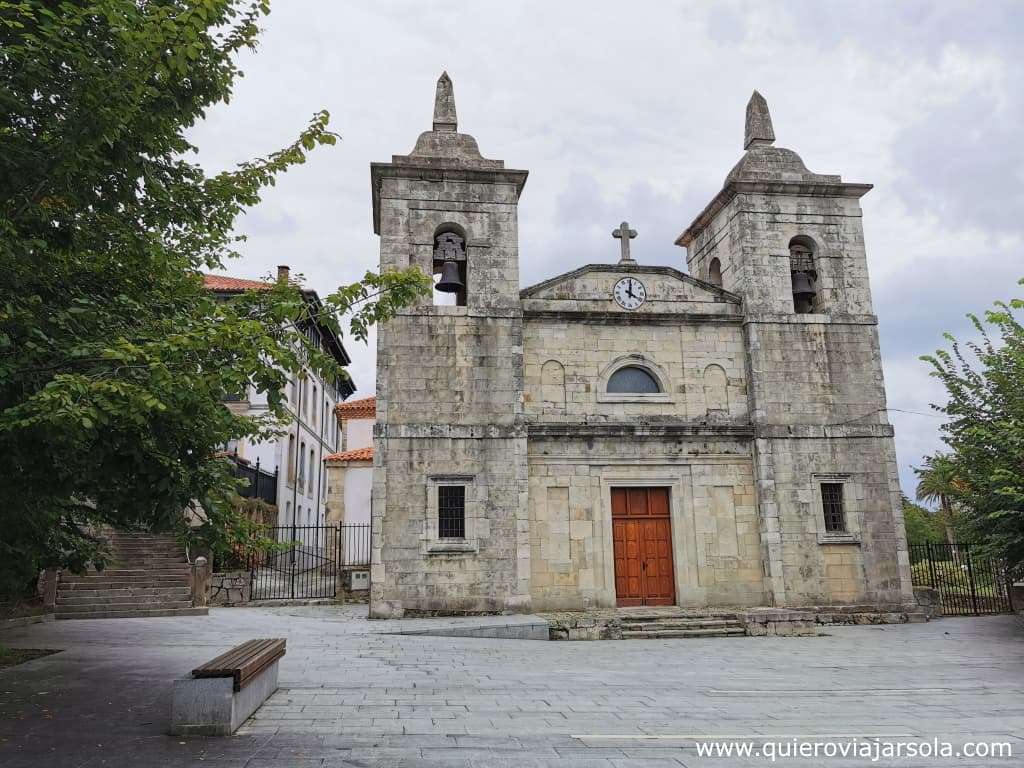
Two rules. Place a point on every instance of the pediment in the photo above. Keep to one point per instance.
(589, 288)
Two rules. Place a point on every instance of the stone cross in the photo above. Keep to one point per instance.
(624, 234)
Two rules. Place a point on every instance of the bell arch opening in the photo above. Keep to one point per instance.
(803, 275)
(450, 269)
(715, 272)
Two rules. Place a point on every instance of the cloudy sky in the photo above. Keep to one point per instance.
(635, 111)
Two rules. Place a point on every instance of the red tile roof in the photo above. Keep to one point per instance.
(365, 408)
(224, 283)
(358, 454)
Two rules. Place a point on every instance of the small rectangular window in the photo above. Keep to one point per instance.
(451, 511)
(832, 505)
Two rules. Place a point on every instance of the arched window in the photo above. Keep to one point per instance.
(291, 459)
(715, 272)
(451, 276)
(633, 380)
(312, 474)
(803, 274)
(302, 464)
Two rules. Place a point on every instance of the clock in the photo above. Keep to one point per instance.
(629, 293)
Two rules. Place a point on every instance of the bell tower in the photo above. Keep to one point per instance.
(791, 243)
(449, 493)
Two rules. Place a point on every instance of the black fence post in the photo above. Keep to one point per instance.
(974, 588)
(931, 566)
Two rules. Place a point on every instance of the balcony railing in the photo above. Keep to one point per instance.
(262, 484)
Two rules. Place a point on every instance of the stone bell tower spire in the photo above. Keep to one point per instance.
(444, 105)
(758, 125)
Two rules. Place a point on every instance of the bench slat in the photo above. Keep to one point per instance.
(244, 661)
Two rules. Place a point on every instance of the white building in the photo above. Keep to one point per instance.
(293, 462)
(350, 477)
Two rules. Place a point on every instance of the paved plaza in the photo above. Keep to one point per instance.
(351, 696)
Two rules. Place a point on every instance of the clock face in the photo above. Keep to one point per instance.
(629, 293)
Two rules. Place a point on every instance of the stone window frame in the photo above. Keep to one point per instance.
(634, 360)
(851, 509)
(435, 545)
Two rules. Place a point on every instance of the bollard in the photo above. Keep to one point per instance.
(200, 583)
(50, 579)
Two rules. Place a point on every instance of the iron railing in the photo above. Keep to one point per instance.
(355, 544)
(970, 583)
(304, 566)
(262, 484)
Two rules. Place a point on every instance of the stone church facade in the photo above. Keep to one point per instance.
(625, 434)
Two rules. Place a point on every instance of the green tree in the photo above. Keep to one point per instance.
(937, 484)
(113, 357)
(923, 526)
(985, 432)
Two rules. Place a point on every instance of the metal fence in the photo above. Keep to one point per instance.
(262, 484)
(305, 564)
(969, 582)
(355, 544)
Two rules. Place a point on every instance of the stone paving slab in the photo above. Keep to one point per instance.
(352, 696)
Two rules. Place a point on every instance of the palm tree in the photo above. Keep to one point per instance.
(936, 484)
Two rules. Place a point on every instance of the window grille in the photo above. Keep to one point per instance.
(451, 511)
(832, 504)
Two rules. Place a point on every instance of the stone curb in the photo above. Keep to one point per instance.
(24, 621)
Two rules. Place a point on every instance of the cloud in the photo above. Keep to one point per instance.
(638, 115)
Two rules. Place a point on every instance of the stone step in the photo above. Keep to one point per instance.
(85, 591)
(86, 597)
(134, 582)
(629, 615)
(134, 614)
(143, 542)
(665, 624)
(683, 633)
(148, 564)
(126, 573)
(126, 604)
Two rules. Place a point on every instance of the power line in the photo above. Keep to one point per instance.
(881, 410)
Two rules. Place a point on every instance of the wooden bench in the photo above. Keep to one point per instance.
(222, 693)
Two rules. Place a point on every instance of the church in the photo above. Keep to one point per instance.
(630, 435)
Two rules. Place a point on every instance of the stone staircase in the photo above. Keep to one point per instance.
(653, 626)
(148, 575)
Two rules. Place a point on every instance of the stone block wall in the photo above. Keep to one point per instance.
(816, 391)
(567, 364)
(715, 532)
(449, 391)
(414, 572)
(750, 238)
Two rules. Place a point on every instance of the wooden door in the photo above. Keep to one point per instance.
(642, 541)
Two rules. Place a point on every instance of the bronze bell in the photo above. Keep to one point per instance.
(450, 282)
(803, 289)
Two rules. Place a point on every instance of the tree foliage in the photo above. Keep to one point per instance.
(937, 483)
(984, 380)
(113, 357)
(923, 526)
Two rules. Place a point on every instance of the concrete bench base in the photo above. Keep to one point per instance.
(210, 706)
